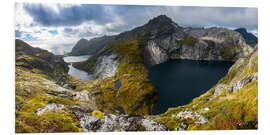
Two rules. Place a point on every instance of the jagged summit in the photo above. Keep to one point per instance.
(160, 19)
(82, 40)
(243, 30)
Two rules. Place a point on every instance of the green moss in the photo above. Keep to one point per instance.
(171, 124)
(49, 122)
(139, 127)
(137, 94)
(190, 41)
(226, 53)
(98, 114)
(179, 42)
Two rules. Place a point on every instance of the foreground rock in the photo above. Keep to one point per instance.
(112, 122)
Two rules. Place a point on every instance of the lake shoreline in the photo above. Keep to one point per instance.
(77, 72)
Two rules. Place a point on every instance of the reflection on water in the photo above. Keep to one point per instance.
(79, 73)
(76, 72)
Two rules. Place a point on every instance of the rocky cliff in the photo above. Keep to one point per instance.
(161, 39)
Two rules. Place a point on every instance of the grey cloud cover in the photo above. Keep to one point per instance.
(67, 16)
(137, 15)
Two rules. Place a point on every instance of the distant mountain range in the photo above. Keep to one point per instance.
(89, 47)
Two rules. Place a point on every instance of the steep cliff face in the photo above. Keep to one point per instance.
(154, 54)
(198, 44)
(106, 66)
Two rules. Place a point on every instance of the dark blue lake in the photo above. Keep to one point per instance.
(179, 81)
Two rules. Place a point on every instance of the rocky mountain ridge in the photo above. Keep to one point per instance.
(161, 39)
(89, 47)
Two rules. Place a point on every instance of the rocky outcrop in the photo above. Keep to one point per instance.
(192, 115)
(154, 54)
(51, 107)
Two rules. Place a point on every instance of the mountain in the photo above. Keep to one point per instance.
(127, 59)
(249, 37)
(85, 47)
(161, 39)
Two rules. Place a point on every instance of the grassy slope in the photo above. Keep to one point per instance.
(137, 94)
(37, 73)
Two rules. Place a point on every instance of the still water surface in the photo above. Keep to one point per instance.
(77, 72)
(179, 81)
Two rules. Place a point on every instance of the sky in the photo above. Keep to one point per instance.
(57, 27)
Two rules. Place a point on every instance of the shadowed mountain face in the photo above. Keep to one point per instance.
(39, 59)
(249, 37)
(85, 47)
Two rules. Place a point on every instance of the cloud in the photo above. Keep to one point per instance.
(18, 33)
(59, 15)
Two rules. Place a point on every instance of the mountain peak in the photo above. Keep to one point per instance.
(83, 40)
(161, 19)
(241, 30)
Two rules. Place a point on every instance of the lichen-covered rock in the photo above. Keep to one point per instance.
(151, 125)
(51, 107)
(192, 115)
(112, 122)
